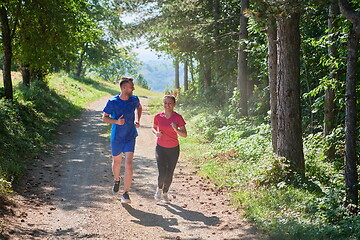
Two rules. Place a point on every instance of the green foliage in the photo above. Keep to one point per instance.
(121, 63)
(28, 123)
(50, 33)
(140, 81)
(236, 154)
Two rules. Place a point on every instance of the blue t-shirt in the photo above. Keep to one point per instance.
(116, 107)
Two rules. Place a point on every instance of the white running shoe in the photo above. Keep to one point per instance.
(125, 198)
(157, 195)
(165, 198)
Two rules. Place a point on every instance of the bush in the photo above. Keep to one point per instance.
(239, 157)
(27, 125)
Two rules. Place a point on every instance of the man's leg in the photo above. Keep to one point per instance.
(116, 166)
(129, 156)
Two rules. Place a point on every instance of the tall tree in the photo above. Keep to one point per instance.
(186, 74)
(203, 29)
(243, 74)
(205, 72)
(177, 73)
(329, 101)
(49, 34)
(289, 140)
(272, 70)
(7, 51)
(351, 175)
(217, 60)
(98, 44)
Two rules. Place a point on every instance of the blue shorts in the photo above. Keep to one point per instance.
(122, 147)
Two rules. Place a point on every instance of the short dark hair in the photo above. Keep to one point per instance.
(124, 80)
(170, 96)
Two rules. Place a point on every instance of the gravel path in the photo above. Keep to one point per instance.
(67, 193)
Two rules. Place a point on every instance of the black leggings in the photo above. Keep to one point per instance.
(166, 159)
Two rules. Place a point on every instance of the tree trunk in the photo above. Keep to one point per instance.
(351, 175)
(217, 60)
(186, 78)
(272, 69)
(25, 72)
(205, 71)
(290, 143)
(243, 76)
(329, 102)
(191, 68)
(79, 68)
(7, 53)
(207, 75)
(177, 76)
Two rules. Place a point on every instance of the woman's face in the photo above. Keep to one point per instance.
(168, 104)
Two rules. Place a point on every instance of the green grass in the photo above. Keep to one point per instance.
(155, 104)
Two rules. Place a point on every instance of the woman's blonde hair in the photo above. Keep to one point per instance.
(170, 96)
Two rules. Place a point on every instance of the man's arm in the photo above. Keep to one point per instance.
(138, 115)
(106, 118)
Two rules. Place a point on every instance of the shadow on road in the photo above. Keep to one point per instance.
(37, 233)
(152, 220)
(192, 216)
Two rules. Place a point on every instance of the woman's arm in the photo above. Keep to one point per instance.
(155, 131)
(181, 131)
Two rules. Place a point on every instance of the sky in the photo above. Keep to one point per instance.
(152, 59)
(145, 54)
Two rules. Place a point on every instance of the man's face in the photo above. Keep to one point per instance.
(128, 88)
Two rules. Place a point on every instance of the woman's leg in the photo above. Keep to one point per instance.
(172, 155)
(161, 164)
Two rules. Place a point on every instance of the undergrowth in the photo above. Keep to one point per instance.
(29, 122)
(236, 154)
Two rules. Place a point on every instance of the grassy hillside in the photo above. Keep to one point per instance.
(28, 124)
(160, 75)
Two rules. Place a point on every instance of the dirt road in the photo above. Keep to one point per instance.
(67, 194)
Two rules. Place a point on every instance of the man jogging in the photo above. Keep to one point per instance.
(120, 112)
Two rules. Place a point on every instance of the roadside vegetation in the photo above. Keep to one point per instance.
(236, 154)
(29, 122)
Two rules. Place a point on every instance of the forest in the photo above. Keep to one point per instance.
(271, 87)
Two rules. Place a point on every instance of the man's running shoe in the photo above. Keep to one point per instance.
(165, 198)
(125, 198)
(157, 195)
(116, 187)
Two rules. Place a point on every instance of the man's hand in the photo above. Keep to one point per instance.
(120, 121)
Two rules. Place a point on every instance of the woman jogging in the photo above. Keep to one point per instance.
(167, 126)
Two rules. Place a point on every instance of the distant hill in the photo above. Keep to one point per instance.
(160, 74)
